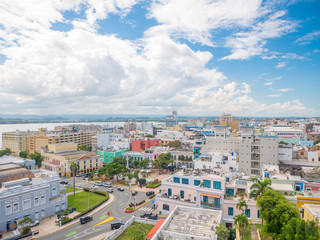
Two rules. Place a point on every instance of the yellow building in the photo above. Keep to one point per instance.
(302, 200)
(58, 158)
(311, 213)
(176, 128)
(229, 120)
(16, 141)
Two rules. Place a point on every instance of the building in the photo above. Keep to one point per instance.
(284, 131)
(58, 157)
(229, 120)
(129, 126)
(172, 120)
(141, 145)
(27, 163)
(146, 128)
(16, 141)
(33, 193)
(312, 213)
(189, 223)
(217, 159)
(104, 139)
(110, 153)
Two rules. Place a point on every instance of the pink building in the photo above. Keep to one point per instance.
(204, 189)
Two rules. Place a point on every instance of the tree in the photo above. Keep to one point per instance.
(144, 163)
(276, 211)
(222, 232)
(6, 151)
(84, 148)
(74, 169)
(149, 136)
(23, 154)
(242, 221)
(300, 230)
(115, 168)
(25, 222)
(232, 234)
(121, 160)
(163, 161)
(130, 176)
(37, 157)
(242, 205)
(136, 163)
(136, 174)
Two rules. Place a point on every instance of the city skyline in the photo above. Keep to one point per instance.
(201, 58)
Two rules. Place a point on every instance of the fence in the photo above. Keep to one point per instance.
(122, 229)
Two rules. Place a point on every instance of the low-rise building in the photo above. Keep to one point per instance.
(312, 213)
(27, 163)
(110, 153)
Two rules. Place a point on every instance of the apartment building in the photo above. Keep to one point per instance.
(110, 153)
(229, 120)
(58, 157)
(33, 193)
(104, 139)
(172, 120)
(141, 145)
(16, 141)
(217, 159)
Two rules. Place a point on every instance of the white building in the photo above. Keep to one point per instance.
(104, 139)
(213, 160)
(285, 152)
(284, 132)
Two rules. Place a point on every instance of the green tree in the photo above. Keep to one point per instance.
(23, 154)
(232, 234)
(163, 161)
(136, 174)
(24, 223)
(115, 168)
(242, 205)
(136, 163)
(300, 230)
(74, 169)
(144, 163)
(242, 221)
(37, 157)
(6, 151)
(130, 176)
(222, 232)
(276, 211)
(84, 148)
(149, 136)
(121, 160)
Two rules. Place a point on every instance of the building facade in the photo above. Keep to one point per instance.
(16, 141)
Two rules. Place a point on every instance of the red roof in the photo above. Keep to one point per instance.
(155, 229)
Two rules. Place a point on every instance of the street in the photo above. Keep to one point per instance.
(116, 209)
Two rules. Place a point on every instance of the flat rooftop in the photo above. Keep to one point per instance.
(193, 222)
(314, 209)
(197, 173)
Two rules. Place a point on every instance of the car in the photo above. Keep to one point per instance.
(35, 223)
(87, 175)
(106, 184)
(110, 190)
(121, 189)
(150, 193)
(98, 183)
(153, 217)
(116, 225)
(94, 187)
(64, 182)
(146, 215)
(134, 193)
(80, 174)
(86, 219)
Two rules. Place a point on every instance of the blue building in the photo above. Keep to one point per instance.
(28, 163)
(33, 193)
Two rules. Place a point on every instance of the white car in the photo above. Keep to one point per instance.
(110, 190)
(94, 187)
(98, 183)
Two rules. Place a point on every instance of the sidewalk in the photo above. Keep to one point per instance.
(48, 226)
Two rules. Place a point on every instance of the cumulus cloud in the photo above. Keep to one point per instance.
(281, 65)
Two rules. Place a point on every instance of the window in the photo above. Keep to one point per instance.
(54, 191)
(197, 182)
(26, 204)
(176, 180)
(181, 194)
(207, 183)
(309, 189)
(57, 208)
(216, 185)
(248, 213)
(43, 199)
(16, 207)
(36, 201)
(165, 207)
(8, 209)
(43, 213)
(185, 180)
(230, 211)
(36, 215)
(258, 214)
(169, 192)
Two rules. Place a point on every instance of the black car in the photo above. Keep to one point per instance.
(121, 189)
(146, 215)
(86, 219)
(116, 225)
(64, 182)
(150, 193)
(153, 217)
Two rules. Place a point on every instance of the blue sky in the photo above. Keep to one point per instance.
(244, 57)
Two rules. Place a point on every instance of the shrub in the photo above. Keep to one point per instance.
(101, 193)
(26, 230)
(66, 220)
(151, 185)
(155, 181)
(129, 208)
(141, 202)
(152, 196)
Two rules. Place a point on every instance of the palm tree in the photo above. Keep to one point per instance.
(74, 169)
(242, 205)
(242, 221)
(259, 188)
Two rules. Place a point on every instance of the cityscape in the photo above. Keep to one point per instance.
(159, 120)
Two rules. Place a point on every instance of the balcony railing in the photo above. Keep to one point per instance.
(211, 205)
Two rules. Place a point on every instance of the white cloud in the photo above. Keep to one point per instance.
(281, 65)
(284, 90)
(307, 39)
(274, 95)
(268, 83)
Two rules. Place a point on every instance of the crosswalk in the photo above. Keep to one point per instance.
(145, 209)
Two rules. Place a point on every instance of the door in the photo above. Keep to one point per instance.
(169, 192)
(205, 199)
(182, 194)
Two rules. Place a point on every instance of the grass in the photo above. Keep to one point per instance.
(70, 189)
(137, 231)
(80, 200)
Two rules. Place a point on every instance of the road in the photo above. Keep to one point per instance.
(116, 208)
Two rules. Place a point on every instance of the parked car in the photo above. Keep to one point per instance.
(98, 183)
(80, 174)
(121, 189)
(94, 187)
(150, 193)
(116, 225)
(153, 217)
(134, 193)
(86, 219)
(106, 184)
(87, 175)
(35, 223)
(64, 182)
(146, 215)
(110, 190)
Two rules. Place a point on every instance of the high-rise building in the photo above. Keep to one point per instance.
(229, 120)
(16, 141)
(172, 120)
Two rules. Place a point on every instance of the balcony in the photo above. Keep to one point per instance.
(210, 205)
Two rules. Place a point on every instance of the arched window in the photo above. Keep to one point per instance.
(165, 207)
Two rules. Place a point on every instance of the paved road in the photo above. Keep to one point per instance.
(116, 208)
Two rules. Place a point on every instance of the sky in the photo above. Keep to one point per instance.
(199, 57)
